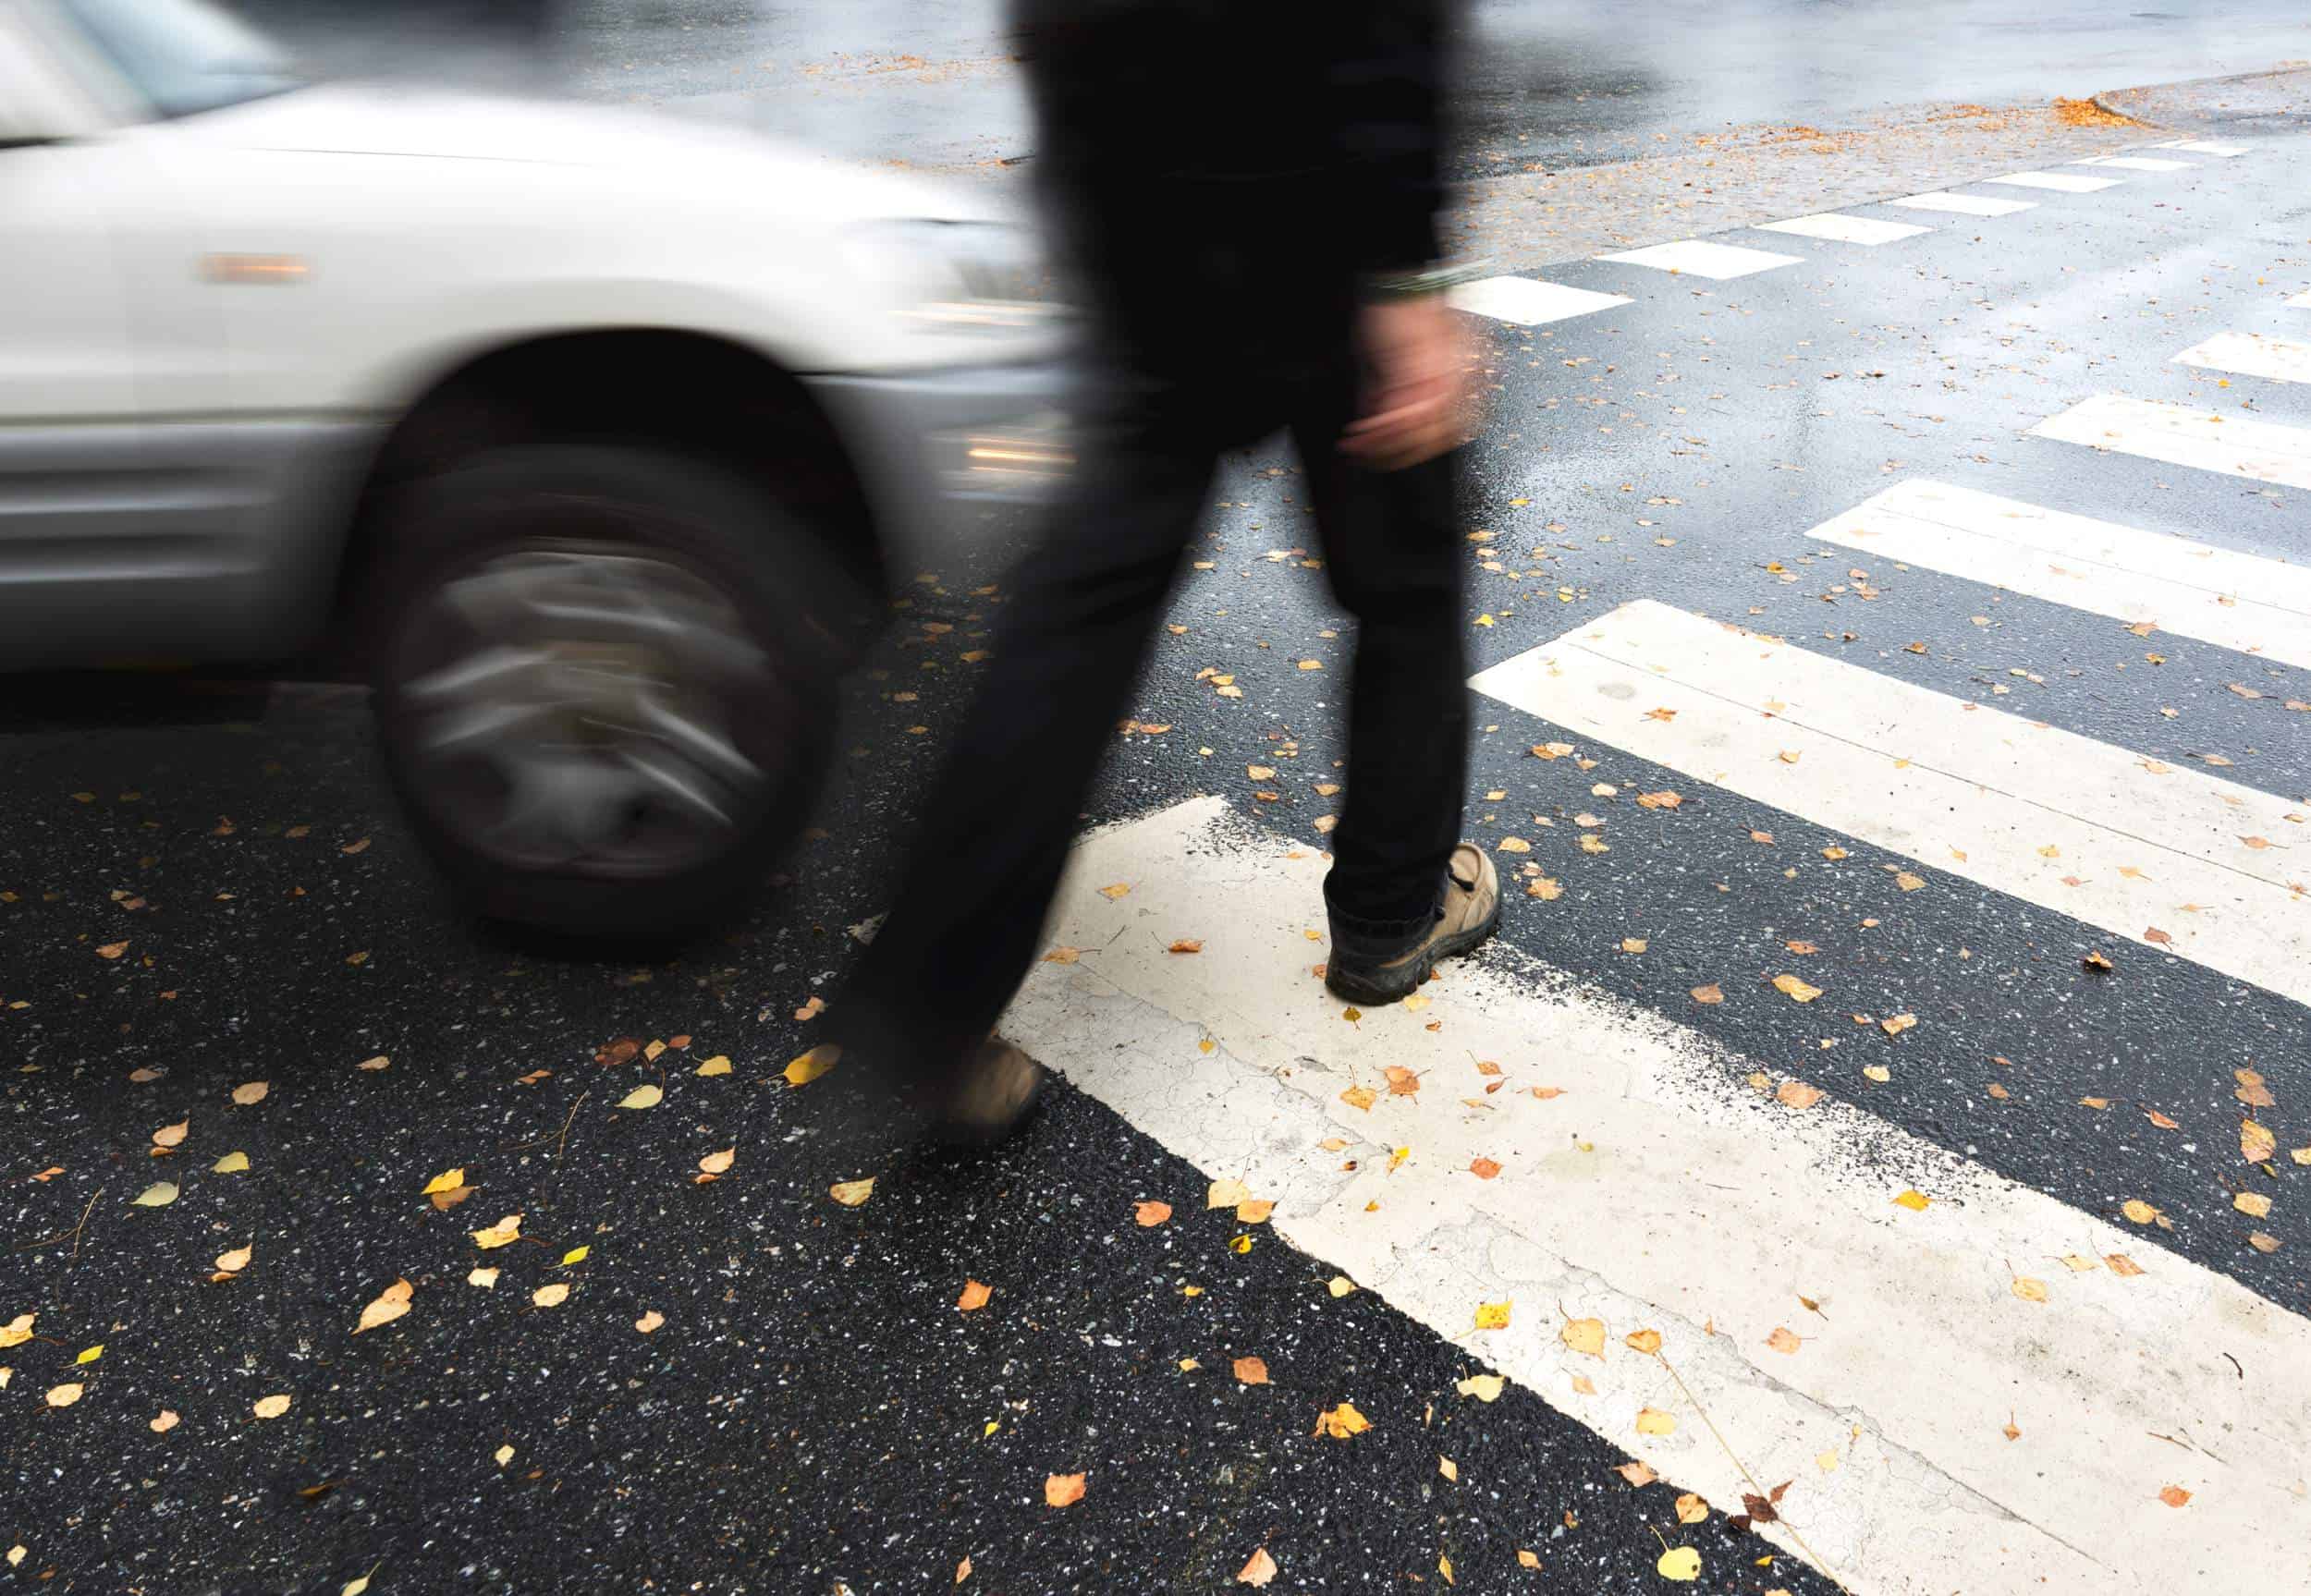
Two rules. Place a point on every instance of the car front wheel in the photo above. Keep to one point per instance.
(601, 684)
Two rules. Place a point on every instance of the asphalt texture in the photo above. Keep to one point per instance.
(809, 1410)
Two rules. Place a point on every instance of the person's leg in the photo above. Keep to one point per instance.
(998, 822)
(1403, 890)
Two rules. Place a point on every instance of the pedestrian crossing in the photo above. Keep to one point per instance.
(1964, 205)
(2251, 355)
(2234, 444)
(1844, 229)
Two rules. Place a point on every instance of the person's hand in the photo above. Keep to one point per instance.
(1418, 403)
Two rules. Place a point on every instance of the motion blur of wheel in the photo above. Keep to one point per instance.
(603, 696)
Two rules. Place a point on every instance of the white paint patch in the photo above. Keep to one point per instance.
(1528, 301)
(2251, 355)
(2138, 163)
(2202, 147)
(2301, 302)
(1844, 229)
(2239, 446)
(1660, 1192)
(2062, 182)
(1698, 258)
(2257, 606)
(1965, 205)
(2081, 827)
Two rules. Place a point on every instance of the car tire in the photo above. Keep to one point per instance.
(603, 683)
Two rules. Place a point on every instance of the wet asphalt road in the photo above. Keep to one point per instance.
(1553, 86)
(811, 1412)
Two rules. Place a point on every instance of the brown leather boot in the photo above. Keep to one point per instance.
(991, 1098)
(1362, 969)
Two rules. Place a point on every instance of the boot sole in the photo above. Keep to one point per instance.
(1402, 983)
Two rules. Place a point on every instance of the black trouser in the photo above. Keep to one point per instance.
(968, 921)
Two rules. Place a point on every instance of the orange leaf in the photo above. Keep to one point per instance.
(1063, 1490)
(974, 1295)
(1150, 1214)
(1484, 1168)
(1251, 1372)
(2174, 1495)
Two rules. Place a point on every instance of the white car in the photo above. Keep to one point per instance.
(585, 435)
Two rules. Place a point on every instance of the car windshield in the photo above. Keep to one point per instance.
(184, 56)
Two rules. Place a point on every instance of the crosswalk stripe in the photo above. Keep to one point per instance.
(1699, 258)
(2202, 147)
(1964, 205)
(2138, 163)
(2251, 355)
(1529, 301)
(2062, 182)
(1660, 1192)
(2237, 445)
(2235, 601)
(2093, 831)
(2301, 302)
(1844, 229)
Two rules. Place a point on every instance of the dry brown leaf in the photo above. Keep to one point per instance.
(111, 950)
(1636, 1472)
(1062, 1490)
(1711, 993)
(1187, 945)
(2254, 1204)
(1691, 1509)
(851, 1193)
(1063, 956)
(251, 1091)
(1402, 1082)
(1251, 1372)
(2256, 1142)
(1784, 1340)
(1259, 1568)
(1799, 1094)
(1361, 1097)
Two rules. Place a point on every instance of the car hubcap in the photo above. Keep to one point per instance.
(569, 708)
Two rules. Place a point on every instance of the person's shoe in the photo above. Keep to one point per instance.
(992, 1097)
(1363, 970)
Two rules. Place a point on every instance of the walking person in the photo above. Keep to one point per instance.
(1248, 196)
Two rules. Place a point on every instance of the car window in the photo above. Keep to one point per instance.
(184, 56)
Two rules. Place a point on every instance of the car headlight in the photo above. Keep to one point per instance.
(958, 276)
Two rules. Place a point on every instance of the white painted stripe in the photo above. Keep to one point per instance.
(2138, 163)
(2235, 601)
(2203, 440)
(1659, 1192)
(2251, 355)
(1845, 229)
(2062, 182)
(2202, 147)
(2301, 302)
(1528, 301)
(1698, 258)
(2020, 807)
(1965, 205)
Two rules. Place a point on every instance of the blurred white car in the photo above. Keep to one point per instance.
(586, 436)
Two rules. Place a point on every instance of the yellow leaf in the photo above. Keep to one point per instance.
(160, 1194)
(1636, 1473)
(379, 1062)
(1584, 1385)
(1915, 1201)
(18, 1330)
(390, 1305)
(962, 1571)
(1444, 1566)
(1898, 1024)
(1258, 1569)
(1342, 1423)
(1492, 1315)
(2256, 1143)
(171, 1134)
(2029, 1290)
(1528, 1559)
(1239, 1244)
(575, 1255)
(1116, 891)
(1826, 1461)
(716, 1163)
(1796, 987)
(720, 1064)
(1647, 1341)
(236, 1261)
(64, 1396)
(271, 1407)
(1361, 1097)
(647, 1095)
(1227, 1193)
(1879, 1073)
(449, 1180)
(1691, 1509)
(1341, 1285)
(1908, 881)
(162, 1422)
(1681, 1563)
(2135, 1208)
(1063, 1490)
(251, 1091)
(231, 1163)
(1633, 945)
(1784, 1340)
(1585, 1336)
(2254, 1204)
(504, 1455)
(504, 1232)
(485, 1278)
(974, 1295)
(1653, 1422)
(552, 1295)
(1256, 1211)
(1484, 1387)
(1063, 956)
(851, 1193)
(90, 1354)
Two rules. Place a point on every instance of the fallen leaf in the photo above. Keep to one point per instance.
(391, 1304)
(234, 1261)
(1251, 1372)
(647, 1095)
(251, 1091)
(1691, 1509)
(111, 950)
(18, 1330)
(1896, 1024)
(1915, 1202)
(1908, 881)
(1514, 845)
(90, 1354)
(974, 1296)
(552, 1295)
(1341, 1422)
(1796, 988)
(271, 1407)
(2262, 1241)
(1710, 993)
(2123, 1266)
(1062, 1490)
(716, 1164)
(1799, 1094)
(485, 1278)
(235, 1163)
(1063, 956)
(2095, 960)
(851, 1193)
(1546, 1092)
(1681, 1563)
(2135, 1208)
(1447, 1468)
(504, 1232)
(1636, 1472)
(64, 1396)
(162, 1422)
(1527, 1559)
(1585, 1336)
(171, 1134)
(1653, 1422)
(1258, 1569)
(2029, 1290)
(1256, 1211)
(1361, 1097)
(2254, 1204)
(1227, 1193)
(720, 1064)
(1150, 1214)
(2256, 1142)
(1339, 1285)
(1187, 945)
(650, 1321)
(1484, 1387)
(807, 1068)
(1484, 1168)
(1116, 891)
(160, 1194)
(1546, 888)
(1784, 1340)
(2174, 1495)
(1633, 945)
(1492, 1315)
(1402, 1082)
(2155, 934)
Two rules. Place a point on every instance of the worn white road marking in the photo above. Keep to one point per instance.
(1699, 258)
(2202, 147)
(1845, 229)
(2301, 302)
(2138, 163)
(2235, 444)
(1660, 1192)
(2251, 355)
(1965, 205)
(2092, 831)
(1528, 301)
(2062, 182)
(2257, 606)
